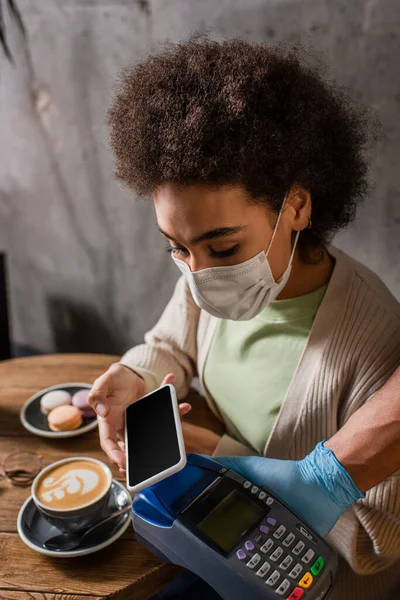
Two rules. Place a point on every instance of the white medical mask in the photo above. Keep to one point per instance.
(238, 292)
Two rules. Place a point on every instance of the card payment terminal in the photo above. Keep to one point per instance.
(239, 538)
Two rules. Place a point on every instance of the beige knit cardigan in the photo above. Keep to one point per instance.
(352, 349)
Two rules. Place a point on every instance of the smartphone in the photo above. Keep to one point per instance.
(153, 439)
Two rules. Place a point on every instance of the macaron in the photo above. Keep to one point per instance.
(64, 418)
(80, 400)
(53, 399)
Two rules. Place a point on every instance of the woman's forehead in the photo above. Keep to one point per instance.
(203, 202)
(196, 209)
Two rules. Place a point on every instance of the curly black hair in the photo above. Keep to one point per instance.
(232, 112)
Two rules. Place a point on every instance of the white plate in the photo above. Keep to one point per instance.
(34, 421)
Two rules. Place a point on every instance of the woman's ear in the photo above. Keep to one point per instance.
(298, 201)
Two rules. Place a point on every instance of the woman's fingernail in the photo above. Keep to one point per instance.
(101, 409)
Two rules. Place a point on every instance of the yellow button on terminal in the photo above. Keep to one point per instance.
(306, 580)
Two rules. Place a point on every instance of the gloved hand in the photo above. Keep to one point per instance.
(317, 487)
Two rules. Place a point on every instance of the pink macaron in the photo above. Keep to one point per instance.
(80, 400)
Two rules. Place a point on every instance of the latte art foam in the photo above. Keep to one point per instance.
(75, 481)
(72, 485)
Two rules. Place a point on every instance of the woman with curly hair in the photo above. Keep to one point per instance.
(254, 160)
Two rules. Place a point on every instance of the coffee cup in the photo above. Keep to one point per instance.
(72, 493)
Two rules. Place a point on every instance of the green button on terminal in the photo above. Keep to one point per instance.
(317, 566)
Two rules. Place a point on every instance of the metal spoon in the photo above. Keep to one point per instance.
(69, 541)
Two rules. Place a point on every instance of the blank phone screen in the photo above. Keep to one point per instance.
(152, 441)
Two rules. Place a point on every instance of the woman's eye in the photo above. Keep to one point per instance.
(181, 251)
(224, 253)
(176, 251)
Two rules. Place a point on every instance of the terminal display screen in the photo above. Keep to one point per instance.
(228, 522)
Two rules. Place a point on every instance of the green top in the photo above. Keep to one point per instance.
(250, 365)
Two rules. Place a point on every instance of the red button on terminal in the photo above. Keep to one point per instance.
(296, 594)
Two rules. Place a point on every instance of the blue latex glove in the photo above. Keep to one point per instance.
(317, 487)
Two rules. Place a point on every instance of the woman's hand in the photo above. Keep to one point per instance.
(317, 487)
(199, 439)
(111, 394)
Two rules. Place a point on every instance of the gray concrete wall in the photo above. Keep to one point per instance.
(87, 266)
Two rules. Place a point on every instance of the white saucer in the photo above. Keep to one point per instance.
(34, 530)
(36, 422)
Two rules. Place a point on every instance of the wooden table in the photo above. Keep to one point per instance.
(124, 569)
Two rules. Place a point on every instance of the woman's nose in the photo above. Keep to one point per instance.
(197, 264)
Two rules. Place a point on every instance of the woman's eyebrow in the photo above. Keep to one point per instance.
(212, 234)
(165, 234)
(217, 233)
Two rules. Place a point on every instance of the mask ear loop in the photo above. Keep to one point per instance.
(276, 226)
(275, 230)
(296, 239)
